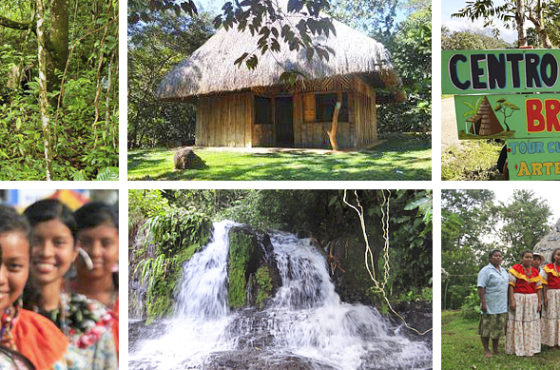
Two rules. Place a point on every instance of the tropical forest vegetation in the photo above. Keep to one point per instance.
(59, 89)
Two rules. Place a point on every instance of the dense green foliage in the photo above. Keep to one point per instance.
(410, 45)
(402, 157)
(474, 160)
(474, 223)
(411, 51)
(321, 215)
(154, 48)
(82, 91)
(461, 349)
(170, 236)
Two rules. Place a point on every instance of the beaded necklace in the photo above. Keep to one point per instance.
(8, 319)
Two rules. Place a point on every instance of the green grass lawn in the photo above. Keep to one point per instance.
(461, 349)
(402, 157)
(473, 160)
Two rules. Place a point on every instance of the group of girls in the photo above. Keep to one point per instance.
(534, 305)
(58, 287)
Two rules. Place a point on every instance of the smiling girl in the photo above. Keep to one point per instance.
(98, 235)
(32, 335)
(84, 321)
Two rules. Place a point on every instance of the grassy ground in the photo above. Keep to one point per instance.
(461, 349)
(473, 160)
(402, 157)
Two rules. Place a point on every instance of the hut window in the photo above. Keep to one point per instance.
(324, 107)
(263, 110)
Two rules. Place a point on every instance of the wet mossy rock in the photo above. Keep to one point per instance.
(253, 275)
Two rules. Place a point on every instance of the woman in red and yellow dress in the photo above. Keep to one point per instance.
(523, 335)
(32, 335)
(550, 322)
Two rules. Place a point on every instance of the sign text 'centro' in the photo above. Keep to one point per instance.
(500, 71)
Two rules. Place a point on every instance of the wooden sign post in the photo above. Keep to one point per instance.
(513, 101)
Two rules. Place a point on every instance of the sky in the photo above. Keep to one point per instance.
(463, 24)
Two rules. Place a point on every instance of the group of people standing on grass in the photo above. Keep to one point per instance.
(523, 303)
(59, 287)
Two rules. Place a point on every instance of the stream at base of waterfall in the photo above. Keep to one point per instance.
(304, 326)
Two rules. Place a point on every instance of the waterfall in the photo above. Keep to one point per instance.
(305, 323)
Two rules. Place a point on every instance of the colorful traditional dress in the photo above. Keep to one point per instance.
(38, 340)
(550, 322)
(88, 325)
(523, 337)
(115, 313)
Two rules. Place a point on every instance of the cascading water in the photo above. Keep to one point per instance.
(304, 324)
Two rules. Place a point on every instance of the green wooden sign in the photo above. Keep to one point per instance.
(500, 71)
(534, 159)
(507, 116)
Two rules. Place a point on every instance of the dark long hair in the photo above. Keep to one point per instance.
(96, 213)
(51, 209)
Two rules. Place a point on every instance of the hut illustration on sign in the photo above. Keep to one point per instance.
(238, 107)
(483, 120)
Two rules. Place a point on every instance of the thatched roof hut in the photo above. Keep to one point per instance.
(242, 107)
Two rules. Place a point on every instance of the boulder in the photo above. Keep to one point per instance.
(185, 159)
(549, 243)
(253, 275)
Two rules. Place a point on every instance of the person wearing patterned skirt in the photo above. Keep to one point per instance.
(550, 322)
(523, 337)
(493, 289)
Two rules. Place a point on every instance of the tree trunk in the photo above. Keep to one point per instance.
(520, 22)
(538, 20)
(57, 37)
(334, 124)
(43, 85)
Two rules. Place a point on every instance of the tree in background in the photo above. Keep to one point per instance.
(156, 46)
(524, 223)
(410, 44)
(467, 40)
(515, 13)
(467, 217)
(473, 224)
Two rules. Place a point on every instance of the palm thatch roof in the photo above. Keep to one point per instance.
(211, 69)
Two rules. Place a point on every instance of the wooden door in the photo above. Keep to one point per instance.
(284, 122)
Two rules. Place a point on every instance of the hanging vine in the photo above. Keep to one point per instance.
(379, 286)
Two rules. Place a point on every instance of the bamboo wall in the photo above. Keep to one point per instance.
(365, 112)
(225, 120)
(228, 120)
